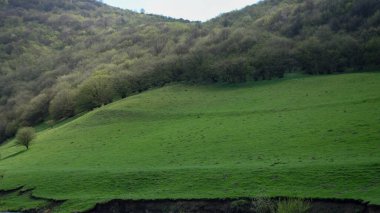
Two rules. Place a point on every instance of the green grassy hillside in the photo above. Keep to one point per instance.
(310, 137)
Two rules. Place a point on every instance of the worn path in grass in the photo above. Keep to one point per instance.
(304, 137)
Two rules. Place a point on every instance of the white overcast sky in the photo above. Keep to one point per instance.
(194, 10)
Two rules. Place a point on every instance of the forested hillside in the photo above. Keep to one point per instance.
(59, 58)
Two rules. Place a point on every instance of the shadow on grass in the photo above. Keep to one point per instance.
(13, 155)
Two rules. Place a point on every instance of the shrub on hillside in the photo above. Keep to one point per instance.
(24, 136)
(50, 123)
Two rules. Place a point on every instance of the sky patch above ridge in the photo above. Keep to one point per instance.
(194, 10)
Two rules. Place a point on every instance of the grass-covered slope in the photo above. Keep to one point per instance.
(304, 137)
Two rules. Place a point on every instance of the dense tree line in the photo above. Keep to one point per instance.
(59, 58)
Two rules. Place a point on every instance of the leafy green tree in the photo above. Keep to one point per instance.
(123, 84)
(25, 136)
(96, 91)
(234, 70)
(329, 54)
(62, 105)
(273, 59)
(372, 53)
(11, 128)
(3, 126)
(36, 110)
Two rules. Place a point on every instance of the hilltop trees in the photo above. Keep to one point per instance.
(24, 136)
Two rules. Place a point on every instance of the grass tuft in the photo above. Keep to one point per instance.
(293, 206)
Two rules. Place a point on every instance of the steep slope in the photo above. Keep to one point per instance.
(309, 137)
(49, 45)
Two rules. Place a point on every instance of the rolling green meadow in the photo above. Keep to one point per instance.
(301, 136)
